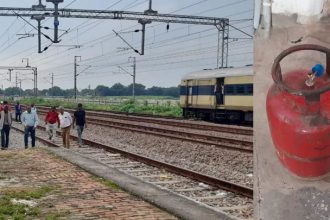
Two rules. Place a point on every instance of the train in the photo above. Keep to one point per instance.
(219, 95)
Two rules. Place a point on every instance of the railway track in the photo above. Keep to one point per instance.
(163, 121)
(226, 196)
(195, 137)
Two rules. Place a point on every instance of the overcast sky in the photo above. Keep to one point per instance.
(168, 55)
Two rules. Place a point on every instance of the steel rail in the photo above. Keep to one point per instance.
(179, 135)
(219, 183)
(242, 131)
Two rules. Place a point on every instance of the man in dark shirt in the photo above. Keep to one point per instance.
(79, 120)
(18, 111)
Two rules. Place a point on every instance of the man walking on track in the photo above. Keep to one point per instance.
(5, 123)
(65, 125)
(30, 121)
(18, 111)
(50, 121)
(80, 120)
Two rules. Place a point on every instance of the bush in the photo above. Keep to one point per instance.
(129, 106)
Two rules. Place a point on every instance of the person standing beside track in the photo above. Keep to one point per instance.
(5, 123)
(30, 121)
(18, 112)
(50, 121)
(80, 120)
(65, 125)
(5, 103)
(33, 108)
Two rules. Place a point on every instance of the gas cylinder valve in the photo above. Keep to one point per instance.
(310, 79)
(316, 71)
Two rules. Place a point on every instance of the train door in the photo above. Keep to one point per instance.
(190, 92)
(186, 92)
(219, 91)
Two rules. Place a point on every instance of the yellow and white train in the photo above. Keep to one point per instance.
(218, 95)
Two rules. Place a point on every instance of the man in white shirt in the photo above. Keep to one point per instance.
(65, 125)
(33, 108)
(30, 121)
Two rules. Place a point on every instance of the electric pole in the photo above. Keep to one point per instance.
(35, 76)
(27, 61)
(10, 70)
(29, 68)
(52, 84)
(20, 87)
(75, 75)
(134, 74)
(39, 18)
(56, 22)
(131, 74)
(16, 81)
(35, 80)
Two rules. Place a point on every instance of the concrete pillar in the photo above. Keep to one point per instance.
(278, 194)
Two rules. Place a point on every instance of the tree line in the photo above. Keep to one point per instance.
(116, 90)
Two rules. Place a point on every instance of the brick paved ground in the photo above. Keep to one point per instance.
(75, 194)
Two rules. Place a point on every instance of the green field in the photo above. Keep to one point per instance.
(138, 97)
(127, 106)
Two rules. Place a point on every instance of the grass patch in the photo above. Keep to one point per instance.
(8, 210)
(107, 183)
(18, 211)
(127, 106)
(29, 194)
(138, 97)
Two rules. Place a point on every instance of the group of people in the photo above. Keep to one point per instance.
(64, 121)
(30, 120)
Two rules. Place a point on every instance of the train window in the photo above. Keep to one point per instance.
(249, 89)
(190, 90)
(183, 90)
(229, 89)
(240, 89)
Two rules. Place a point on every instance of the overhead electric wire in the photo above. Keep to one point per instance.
(159, 43)
(143, 2)
(108, 73)
(222, 6)
(152, 65)
(187, 6)
(9, 38)
(176, 42)
(84, 23)
(169, 44)
(175, 10)
(41, 23)
(8, 28)
(177, 37)
(135, 5)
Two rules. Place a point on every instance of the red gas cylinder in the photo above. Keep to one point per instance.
(299, 117)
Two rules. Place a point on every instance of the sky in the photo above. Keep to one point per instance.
(169, 54)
